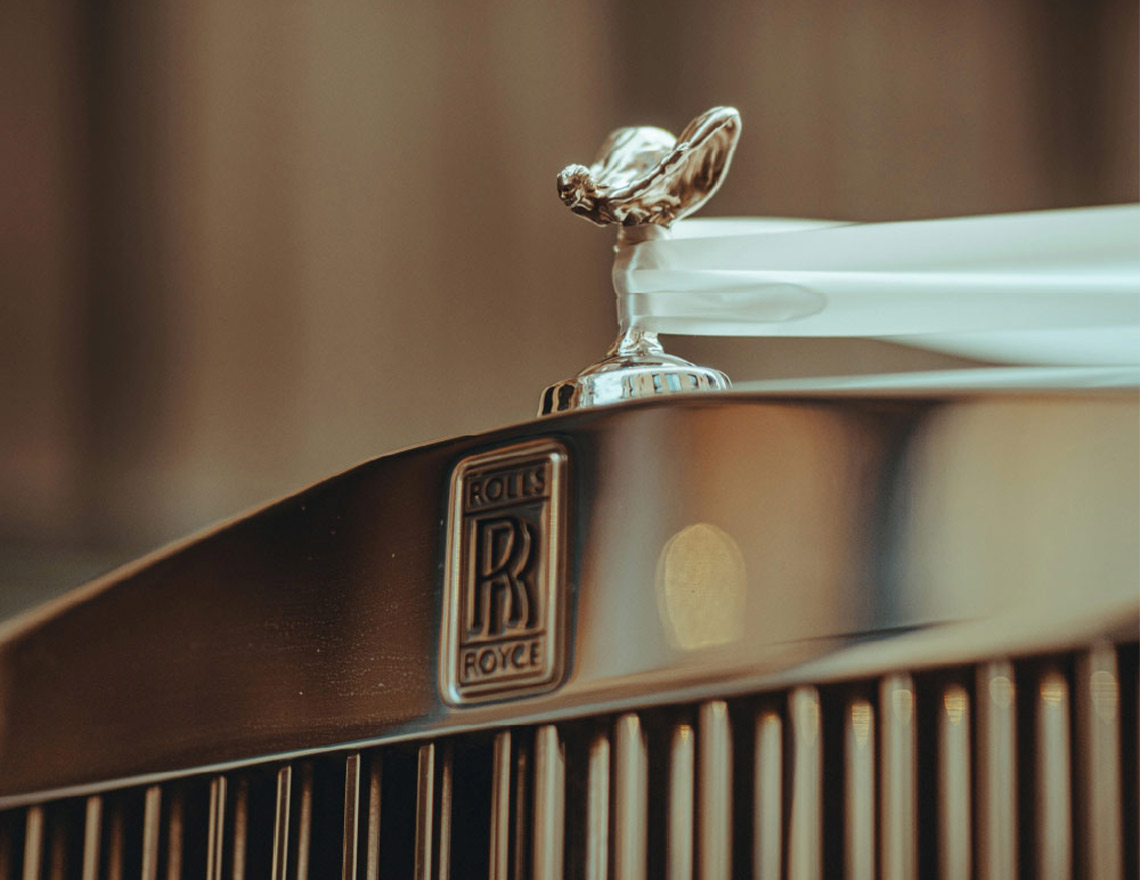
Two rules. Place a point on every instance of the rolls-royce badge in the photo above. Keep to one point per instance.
(503, 591)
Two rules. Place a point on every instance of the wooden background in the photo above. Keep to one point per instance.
(246, 245)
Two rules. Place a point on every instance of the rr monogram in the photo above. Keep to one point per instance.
(503, 601)
(502, 597)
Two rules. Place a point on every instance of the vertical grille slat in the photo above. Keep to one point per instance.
(767, 846)
(598, 809)
(33, 843)
(1052, 774)
(954, 792)
(549, 803)
(859, 783)
(350, 850)
(682, 767)
(282, 809)
(997, 771)
(215, 835)
(445, 812)
(372, 862)
(715, 813)
(899, 801)
(239, 848)
(501, 807)
(1098, 699)
(175, 836)
(425, 810)
(631, 791)
(92, 833)
(805, 830)
(304, 833)
(152, 817)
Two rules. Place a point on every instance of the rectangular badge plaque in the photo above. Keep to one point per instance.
(503, 591)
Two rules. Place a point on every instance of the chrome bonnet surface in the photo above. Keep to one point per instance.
(714, 545)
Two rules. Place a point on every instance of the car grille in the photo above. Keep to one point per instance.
(991, 770)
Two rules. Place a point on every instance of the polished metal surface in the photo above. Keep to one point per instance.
(631, 792)
(425, 812)
(643, 180)
(899, 780)
(847, 516)
(372, 861)
(1053, 826)
(151, 825)
(33, 843)
(444, 816)
(715, 803)
(805, 822)
(239, 845)
(350, 846)
(768, 781)
(643, 175)
(635, 367)
(859, 785)
(997, 771)
(1098, 695)
(92, 832)
(954, 774)
(682, 766)
(175, 839)
(598, 809)
(215, 835)
(821, 772)
(304, 821)
(280, 867)
(549, 803)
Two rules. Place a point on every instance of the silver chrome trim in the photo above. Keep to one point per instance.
(631, 792)
(715, 805)
(859, 809)
(997, 771)
(1053, 827)
(334, 668)
(898, 829)
(805, 823)
(682, 767)
(1098, 695)
(767, 832)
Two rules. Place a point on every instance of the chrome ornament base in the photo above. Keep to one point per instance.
(637, 366)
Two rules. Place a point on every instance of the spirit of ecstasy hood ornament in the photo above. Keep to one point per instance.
(642, 180)
(644, 175)
(1045, 288)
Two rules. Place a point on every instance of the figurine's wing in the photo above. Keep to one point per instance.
(688, 176)
(630, 154)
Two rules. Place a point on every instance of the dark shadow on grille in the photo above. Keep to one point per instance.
(832, 710)
(1129, 761)
(398, 813)
(471, 807)
(63, 843)
(327, 836)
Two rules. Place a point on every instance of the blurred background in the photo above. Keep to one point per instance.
(247, 245)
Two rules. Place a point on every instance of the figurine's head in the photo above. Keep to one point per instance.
(576, 188)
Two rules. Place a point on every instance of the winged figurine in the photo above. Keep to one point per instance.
(645, 175)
